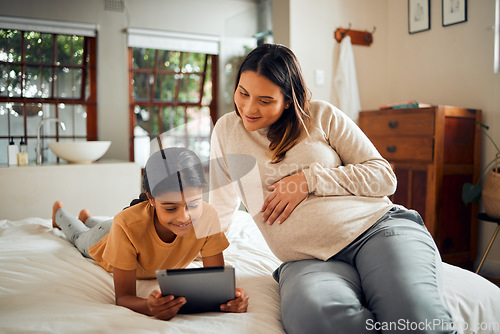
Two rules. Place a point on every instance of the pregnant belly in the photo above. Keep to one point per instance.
(320, 226)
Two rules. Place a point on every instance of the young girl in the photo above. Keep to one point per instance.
(353, 262)
(164, 229)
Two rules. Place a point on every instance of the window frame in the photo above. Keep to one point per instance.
(89, 77)
(152, 102)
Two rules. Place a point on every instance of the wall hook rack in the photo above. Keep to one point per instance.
(357, 37)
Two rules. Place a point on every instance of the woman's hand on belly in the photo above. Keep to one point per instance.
(286, 194)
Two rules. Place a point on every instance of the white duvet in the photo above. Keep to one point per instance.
(46, 286)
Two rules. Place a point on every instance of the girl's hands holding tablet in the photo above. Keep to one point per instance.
(164, 308)
(237, 305)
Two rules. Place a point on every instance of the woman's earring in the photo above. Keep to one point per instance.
(151, 204)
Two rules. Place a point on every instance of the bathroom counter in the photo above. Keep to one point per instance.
(104, 188)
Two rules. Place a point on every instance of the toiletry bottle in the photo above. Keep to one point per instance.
(22, 156)
(12, 152)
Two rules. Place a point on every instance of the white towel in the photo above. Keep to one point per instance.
(345, 81)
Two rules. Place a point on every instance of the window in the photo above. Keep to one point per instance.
(172, 94)
(46, 75)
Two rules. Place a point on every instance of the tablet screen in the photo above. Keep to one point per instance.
(205, 289)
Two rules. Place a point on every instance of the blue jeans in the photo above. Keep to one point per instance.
(388, 280)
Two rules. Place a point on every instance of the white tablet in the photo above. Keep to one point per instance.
(205, 289)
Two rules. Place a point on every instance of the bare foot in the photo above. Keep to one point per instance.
(84, 215)
(57, 205)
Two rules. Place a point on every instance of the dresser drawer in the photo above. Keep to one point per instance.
(433, 151)
(397, 123)
(405, 148)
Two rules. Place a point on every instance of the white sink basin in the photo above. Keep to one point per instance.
(81, 152)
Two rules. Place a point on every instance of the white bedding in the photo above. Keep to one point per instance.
(46, 286)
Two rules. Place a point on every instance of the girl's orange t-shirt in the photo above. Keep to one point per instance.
(133, 242)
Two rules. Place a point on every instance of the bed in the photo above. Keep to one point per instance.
(46, 286)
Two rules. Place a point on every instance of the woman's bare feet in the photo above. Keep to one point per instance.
(84, 215)
(57, 205)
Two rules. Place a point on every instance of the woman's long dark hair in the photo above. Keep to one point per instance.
(278, 63)
(171, 169)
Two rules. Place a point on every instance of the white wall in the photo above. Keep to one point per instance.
(449, 65)
(445, 65)
(312, 40)
(193, 16)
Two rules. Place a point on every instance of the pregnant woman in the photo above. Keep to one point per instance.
(353, 262)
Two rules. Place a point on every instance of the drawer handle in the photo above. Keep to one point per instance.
(393, 124)
(391, 149)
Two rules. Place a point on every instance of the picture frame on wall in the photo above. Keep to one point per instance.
(454, 12)
(419, 16)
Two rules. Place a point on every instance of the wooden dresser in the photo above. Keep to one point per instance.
(434, 151)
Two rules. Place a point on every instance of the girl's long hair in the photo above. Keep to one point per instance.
(171, 169)
(278, 63)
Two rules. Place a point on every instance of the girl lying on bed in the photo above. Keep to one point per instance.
(165, 228)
